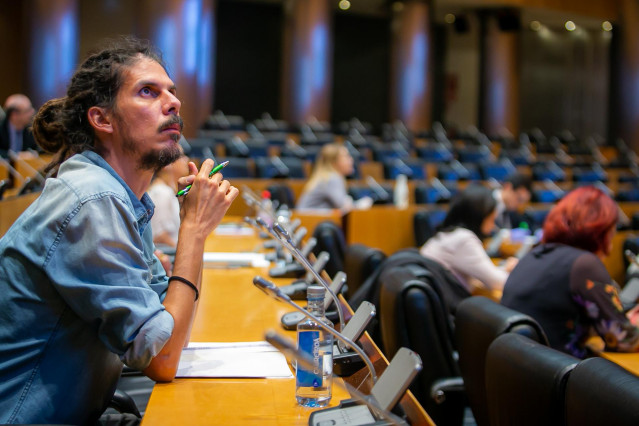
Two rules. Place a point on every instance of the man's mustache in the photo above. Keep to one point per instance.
(175, 119)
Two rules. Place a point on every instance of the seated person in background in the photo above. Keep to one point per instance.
(326, 188)
(514, 194)
(458, 243)
(562, 282)
(15, 131)
(166, 216)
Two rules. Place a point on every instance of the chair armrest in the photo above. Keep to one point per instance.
(123, 403)
(451, 386)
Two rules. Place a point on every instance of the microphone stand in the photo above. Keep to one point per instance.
(36, 173)
(272, 290)
(285, 238)
(12, 171)
(288, 348)
(377, 188)
(278, 250)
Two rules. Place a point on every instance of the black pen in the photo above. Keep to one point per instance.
(214, 171)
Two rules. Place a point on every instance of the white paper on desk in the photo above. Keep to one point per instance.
(234, 229)
(215, 259)
(237, 359)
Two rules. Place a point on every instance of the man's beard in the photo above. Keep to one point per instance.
(156, 160)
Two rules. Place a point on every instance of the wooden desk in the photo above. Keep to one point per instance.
(231, 309)
(629, 361)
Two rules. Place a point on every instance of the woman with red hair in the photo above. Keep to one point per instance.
(563, 284)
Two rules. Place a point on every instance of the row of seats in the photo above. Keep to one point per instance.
(466, 162)
(362, 135)
(476, 352)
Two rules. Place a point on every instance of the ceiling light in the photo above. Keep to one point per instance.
(535, 25)
(570, 26)
(449, 18)
(606, 25)
(344, 4)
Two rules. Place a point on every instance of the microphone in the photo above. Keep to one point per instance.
(272, 290)
(403, 167)
(310, 245)
(12, 171)
(297, 289)
(378, 189)
(297, 237)
(293, 226)
(36, 156)
(240, 146)
(271, 257)
(296, 149)
(282, 169)
(290, 351)
(439, 186)
(552, 186)
(293, 269)
(291, 319)
(284, 236)
(629, 294)
(459, 168)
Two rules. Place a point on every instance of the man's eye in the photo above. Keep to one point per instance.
(146, 91)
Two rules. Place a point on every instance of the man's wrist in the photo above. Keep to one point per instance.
(192, 234)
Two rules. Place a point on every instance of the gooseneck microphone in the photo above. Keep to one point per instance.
(289, 349)
(272, 290)
(629, 294)
(282, 235)
(377, 188)
(285, 237)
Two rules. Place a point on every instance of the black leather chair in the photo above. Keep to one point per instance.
(412, 314)
(478, 322)
(526, 382)
(283, 194)
(330, 238)
(425, 223)
(599, 392)
(360, 262)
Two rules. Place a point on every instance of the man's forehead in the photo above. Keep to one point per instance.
(147, 70)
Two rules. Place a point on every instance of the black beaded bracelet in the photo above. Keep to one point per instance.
(187, 282)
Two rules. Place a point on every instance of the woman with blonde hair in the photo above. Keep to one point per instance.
(326, 189)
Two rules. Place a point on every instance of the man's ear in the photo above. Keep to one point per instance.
(100, 120)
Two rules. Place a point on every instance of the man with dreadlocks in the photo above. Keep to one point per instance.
(81, 291)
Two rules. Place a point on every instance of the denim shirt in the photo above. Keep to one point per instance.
(80, 293)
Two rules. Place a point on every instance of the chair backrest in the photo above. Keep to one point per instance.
(360, 262)
(283, 194)
(279, 167)
(330, 238)
(238, 167)
(425, 223)
(413, 315)
(432, 193)
(478, 322)
(526, 382)
(599, 392)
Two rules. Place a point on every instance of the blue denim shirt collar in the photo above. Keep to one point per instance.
(143, 207)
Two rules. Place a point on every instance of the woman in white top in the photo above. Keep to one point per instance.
(458, 244)
(326, 188)
(165, 222)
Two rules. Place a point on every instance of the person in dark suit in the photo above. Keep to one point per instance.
(15, 128)
(514, 194)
